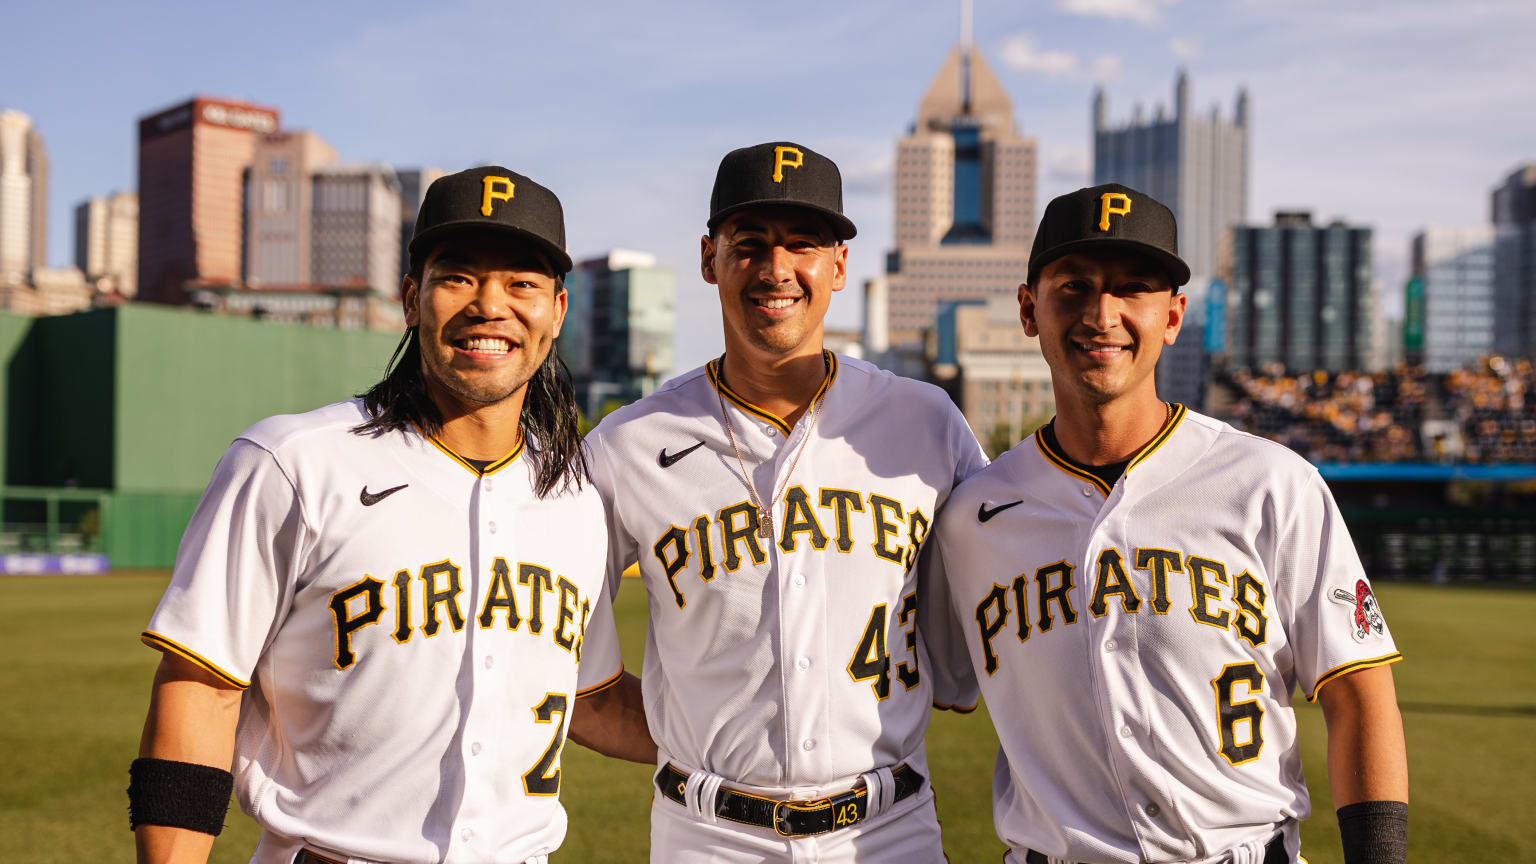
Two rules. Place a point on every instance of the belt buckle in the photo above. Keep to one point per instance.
(780, 826)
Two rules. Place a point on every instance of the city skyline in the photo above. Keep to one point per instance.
(631, 111)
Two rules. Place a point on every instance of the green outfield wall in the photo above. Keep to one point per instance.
(139, 402)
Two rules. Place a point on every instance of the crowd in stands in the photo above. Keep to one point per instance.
(1483, 414)
(1495, 408)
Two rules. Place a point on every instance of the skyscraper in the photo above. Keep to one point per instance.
(965, 198)
(1455, 266)
(192, 161)
(1300, 295)
(1514, 262)
(23, 197)
(356, 221)
(279, 199)
(107, 241)
(1196, 164)
(413, 188)
(619, 327)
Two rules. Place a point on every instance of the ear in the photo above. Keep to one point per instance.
(840, 265)
(707, 259)
(1027, 310)
(410, 301)
(562, 302)
(1176, 307)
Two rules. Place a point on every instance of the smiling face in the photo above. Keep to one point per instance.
(487, 313)
(1102, 321)
(776, 268)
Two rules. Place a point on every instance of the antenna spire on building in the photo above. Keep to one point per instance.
(965, 56)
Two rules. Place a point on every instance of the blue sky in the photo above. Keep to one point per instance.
(1393, 113)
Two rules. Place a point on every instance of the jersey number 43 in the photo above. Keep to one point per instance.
(871, 663)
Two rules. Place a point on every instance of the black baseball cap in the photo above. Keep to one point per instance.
(492, 197)
(779, 173)
(1108, 218)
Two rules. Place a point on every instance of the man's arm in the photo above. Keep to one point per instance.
(192, 717)
(1367, 765)
(612, 722)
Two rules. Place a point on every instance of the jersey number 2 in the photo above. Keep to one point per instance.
(544, 778)
(1230, 714)
(870, 662)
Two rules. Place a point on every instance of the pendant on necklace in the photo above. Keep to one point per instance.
(764, 524)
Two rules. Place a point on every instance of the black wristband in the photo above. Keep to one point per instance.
(178, 794)
(1374, 832)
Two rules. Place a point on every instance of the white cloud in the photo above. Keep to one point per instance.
(1141, 11)
(1018, 52)
(1184, 49)
(1068, 166)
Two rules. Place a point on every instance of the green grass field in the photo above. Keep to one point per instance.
(76, 686)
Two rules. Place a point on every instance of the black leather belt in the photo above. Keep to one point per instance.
(1274, 853)
(307, 856)
(792, 818)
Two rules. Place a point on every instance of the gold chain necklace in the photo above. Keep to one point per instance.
(765, 514)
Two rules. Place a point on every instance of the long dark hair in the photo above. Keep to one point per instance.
(551, 437)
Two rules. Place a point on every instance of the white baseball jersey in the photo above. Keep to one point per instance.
(409, 629)
(1138, 645)
(794, 660)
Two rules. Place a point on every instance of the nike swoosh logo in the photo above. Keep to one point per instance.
(668, 461)
(983, 514)
(371, 498)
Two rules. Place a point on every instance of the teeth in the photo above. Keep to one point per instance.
(1087, 347)
(487, 345)
(779, 303)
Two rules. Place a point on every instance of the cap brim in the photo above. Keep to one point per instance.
(842, 226)
(1178, 271)
(422, 243)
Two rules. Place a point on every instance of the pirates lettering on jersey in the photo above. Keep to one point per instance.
(362, 604)
(1217, 599)
(820, 523)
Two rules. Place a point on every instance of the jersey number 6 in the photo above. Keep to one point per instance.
(1230, 713)
(870, 662)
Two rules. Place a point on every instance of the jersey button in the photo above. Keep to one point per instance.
(489, 662)
(799, 581)
(467, 835)
(1125, 731)
(1153, 810)
(474, 749)
(1087, 492)
(808, 744)
(492, 526)
(770, 431)
(487, 484)
(804, 663)
(1110, 645)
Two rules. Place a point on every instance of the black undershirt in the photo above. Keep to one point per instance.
(480, 464)
(1108, 473)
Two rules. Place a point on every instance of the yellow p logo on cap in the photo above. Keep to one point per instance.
(780, 161)
(496, 189)
(1107, 207)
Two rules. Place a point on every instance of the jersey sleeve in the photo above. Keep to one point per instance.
(1334, 624)
(955, 687)
(234, 568)
(601, 659)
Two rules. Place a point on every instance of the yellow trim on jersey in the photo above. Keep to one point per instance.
(1354, 666)
(1061, 461)
(711, 369)
(598, 688)
(489, 469)
(1178, 414)
(155, 640)
(958, 709)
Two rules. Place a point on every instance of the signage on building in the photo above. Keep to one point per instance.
(1216, 317)
(1413, 318)
(239, 118)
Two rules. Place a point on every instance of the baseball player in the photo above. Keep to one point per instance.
(776, 500)
(379, 607)
(1142, 588)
